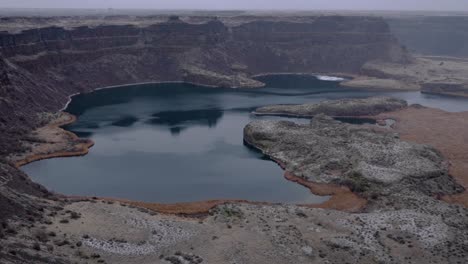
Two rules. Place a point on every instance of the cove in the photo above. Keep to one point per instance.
(174, 142)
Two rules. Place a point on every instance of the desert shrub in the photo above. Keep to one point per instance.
(62, 242)
(229, 211)
(11, 231)
(50, 248)
(36, 246)
(41, 236)
(356, 182)
(75, 215)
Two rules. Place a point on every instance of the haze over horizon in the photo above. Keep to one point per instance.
(414, 5)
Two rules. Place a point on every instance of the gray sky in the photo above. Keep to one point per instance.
(442, 5)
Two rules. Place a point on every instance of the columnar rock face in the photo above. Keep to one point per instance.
(327, 44)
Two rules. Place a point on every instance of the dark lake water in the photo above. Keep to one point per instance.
(180, 142)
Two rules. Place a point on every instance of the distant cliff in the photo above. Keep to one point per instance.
(433, 35)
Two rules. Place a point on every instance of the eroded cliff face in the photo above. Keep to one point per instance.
(327, 44)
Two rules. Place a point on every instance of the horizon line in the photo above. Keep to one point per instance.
(235, 9)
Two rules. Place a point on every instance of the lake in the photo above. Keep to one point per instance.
(175, 142)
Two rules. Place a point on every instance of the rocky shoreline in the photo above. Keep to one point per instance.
(411, 123)
(342, 198)
(328, 151)
(361, 157)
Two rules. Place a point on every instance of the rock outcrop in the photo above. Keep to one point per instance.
(336, 108)
(329, 151)
(448, 87)
(401, 180)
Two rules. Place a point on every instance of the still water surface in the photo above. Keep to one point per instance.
(180, 142)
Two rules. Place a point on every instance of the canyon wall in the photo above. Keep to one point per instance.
(41, 67)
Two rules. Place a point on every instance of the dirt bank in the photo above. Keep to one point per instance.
(342, 198)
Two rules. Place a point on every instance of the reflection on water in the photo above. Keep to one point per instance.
(180, 142)
(176, 121)
(125, 121)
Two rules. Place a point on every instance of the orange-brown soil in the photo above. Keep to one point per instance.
(342, 199)
(447, 132)
(199, 208)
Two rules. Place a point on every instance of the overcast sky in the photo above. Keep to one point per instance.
(443, 5)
